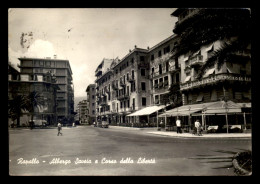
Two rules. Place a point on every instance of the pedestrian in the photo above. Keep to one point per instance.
(178, 124)
(59, 129)
(198, 127)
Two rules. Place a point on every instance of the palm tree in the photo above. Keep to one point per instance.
(232, 26)
(16, 106)
(34, 99)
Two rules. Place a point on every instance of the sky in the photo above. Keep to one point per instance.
(85, 36)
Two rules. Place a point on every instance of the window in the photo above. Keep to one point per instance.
(132, 60)
(133, 74)
(93, 96)
(121, 105)
(127, 76)
(153, 70)
(116, 71)
(93, 89)
(143, 101)
(161, 82)
(143, 86)
(159, 53)
(166, 49)
(156, 100)
(128, 103)
(141, 58)
(167, 66)
(166, 81)
(160, 69)
(127, 63)
(93, 104)
(152, 57)
(93, 112)
(156, 83)
(133, 105)
(142, 72)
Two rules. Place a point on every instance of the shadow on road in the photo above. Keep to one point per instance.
(227, 158)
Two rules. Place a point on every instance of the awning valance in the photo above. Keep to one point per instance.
(147, 110)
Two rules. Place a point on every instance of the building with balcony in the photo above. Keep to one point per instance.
(164, 70)
(91, 103)
(82, 111)
(230, 82)
(62, 71)
(23, 83)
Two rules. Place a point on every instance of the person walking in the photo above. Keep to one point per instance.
(198, 127)
(178, 124)
(59, 129)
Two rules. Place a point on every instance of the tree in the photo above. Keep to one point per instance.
(34, 99)
(173, 97)
(16, 106)
(232, 26)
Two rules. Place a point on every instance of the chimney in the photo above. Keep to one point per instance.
(148, 48)
(135, 46)
(55, 56)
(129, 50)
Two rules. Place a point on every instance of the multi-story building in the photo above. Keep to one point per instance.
(164, 70)
(23, 83)
(232, 81)
(91, 103)
(82, 108)
(62, 70)
(124, 87)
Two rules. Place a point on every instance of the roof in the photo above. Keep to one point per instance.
(178, 11)
(147, 110)
(162, 42)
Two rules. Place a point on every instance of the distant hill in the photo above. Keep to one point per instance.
(77, 100)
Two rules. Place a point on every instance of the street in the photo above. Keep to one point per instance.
(86, 150)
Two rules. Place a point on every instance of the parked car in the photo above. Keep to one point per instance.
(39, 123)
(104, 124)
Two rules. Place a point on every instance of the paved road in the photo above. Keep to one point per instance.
(158, 155)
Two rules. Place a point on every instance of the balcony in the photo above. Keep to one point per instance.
(103, 103)
(196, 61)
(131, 78)
(122, 84)
(175, 68)
(115, 86)
(214, 79)
(123, 97)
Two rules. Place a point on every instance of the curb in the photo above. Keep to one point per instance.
(237, 167)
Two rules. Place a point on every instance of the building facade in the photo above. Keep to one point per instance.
(91, 103)
(23, 83)
(164, 70)
(62, 71)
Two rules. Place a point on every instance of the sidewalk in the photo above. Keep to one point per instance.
(153, 130)
(212, 135)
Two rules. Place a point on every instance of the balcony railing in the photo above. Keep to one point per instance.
(115, 86)
(122, 83)
(213, 79)
(123, 97)
(131, 78)
(196, 60)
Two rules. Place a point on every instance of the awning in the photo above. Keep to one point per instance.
(209, 72)
(245, 105)
(187, 78)
(223, 107)
(209, 48)
(147, 110)
(186, 110)
(182, 113)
